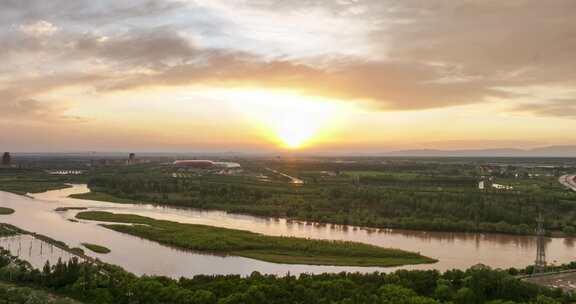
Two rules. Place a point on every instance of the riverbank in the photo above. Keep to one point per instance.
(74, 279)
(286, 250)
(23, 188)
(103, 197)
(414, 224)
(453, 250)
(24, 181)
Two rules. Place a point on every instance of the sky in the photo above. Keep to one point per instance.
(306, 75)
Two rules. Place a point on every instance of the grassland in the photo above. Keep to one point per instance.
(286, 250)
(96, 248)
(6, 211)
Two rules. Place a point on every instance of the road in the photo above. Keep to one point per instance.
(293, 179)
(565, 280)
(569, 181)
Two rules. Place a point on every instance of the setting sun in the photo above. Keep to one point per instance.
(294, 130)
(286, 118)
(285, 146)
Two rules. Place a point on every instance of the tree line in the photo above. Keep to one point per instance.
(362, 205)
(102, 283)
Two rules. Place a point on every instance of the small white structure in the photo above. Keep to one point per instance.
(502, 187)
(481, 185)
(66, 172)
(227, 165)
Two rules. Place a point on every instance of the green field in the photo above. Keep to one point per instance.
(96, 248)
(285, 250)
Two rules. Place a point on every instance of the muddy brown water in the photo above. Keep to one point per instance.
(453, 250)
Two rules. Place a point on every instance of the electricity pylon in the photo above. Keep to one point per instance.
(540, 263)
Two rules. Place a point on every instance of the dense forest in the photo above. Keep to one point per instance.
(420, 194)
(376, 202)
(103, 283)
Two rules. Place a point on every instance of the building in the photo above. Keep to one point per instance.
(6, 159)
(195, 164)
(131, 159)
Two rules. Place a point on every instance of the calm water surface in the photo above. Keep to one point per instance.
(453, 250)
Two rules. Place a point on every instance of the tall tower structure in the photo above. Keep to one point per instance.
(6, 159)
(540, 263)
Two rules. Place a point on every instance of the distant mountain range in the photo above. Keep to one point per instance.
(549, 151)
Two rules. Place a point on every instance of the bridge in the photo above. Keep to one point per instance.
(36, 248)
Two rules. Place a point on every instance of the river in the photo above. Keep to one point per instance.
(453, 250)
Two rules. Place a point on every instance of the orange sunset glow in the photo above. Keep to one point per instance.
(288, 151)
(345, 76)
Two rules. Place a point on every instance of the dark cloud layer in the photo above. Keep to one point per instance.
(156, 47)
(81, 11)
(438, 53)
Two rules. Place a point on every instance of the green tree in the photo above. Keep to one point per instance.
(465, 295)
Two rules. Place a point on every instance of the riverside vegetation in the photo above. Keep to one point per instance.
(287, 250)
(419, 195)
(23, 181)
(101, 283)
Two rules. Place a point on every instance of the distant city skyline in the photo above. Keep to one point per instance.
(286, 76)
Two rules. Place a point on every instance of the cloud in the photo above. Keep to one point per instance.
(431, 53)
(22, 102)
(396, 85)
(82, 11)
(478, 46)
(32, 110)
(158, 46)
(26, 108)
(39, 28)
(524, 40)
(557, 108)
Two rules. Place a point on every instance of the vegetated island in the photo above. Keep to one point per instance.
(6, 211)
(286, 250)
(64, 209)
(96, 248)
